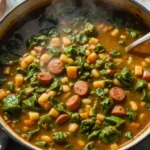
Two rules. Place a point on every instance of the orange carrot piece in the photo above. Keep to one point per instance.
(72, 72)
(92, 57)
(135, 125)
(29, 122)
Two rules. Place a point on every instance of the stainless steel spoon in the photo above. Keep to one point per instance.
(137, 42)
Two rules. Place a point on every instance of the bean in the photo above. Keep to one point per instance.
(86, 101)
(133, 105)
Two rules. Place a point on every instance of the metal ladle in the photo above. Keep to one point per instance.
(137, 42)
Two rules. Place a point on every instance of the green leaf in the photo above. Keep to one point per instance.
(124, 77)
(10, 86)
(75, 117)
(31, 103)
(131, 114)
(128, 135)
(86, 125)
(71, 51)
(99, 48)
(145, 96)
(44, 119)
(140, 85)
(101, 93)
(90, 29)
(89, 146)
(54, 51)
(81, 38)
(41, 144)
(114, 121)
(11, 105)
(93, 134)
(107, 105)
(68, 30)
(109, 135)
(115, 53)
(134, 33)
(60, 137)
(2, 81)
(59, 106)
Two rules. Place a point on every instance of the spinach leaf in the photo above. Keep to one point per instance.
(114, 121)
(33, 68)
(109, 135)
(147, 106)
(140, 85)
(56, 85)
(21, 71)
(131, 114)
(2, 81)
(11, 105)
(15, 47)
(68, 30)
(36, 40)
(128, 135)
(80, 64)
(75, 117)
(68, 147)
(58, 106)
(90, 29)
(10, 86)
(44, 119)
(81, 38)
(48, 18)
(107, 105)
(4, 58)
(60, 137)
(115, 53)
(54, 51)
(51, 32)
(135, 33)
(93, 134)
(31, 103)
(145, 96)
(89, 146)
(41, 144)
(124, 77)
(71, 51)
(86, 125)
(30, 134)
(99, 48)
(28, 91)
(101, 93)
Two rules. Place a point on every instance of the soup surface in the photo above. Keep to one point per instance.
(70, 85)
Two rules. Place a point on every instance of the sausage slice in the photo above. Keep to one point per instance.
(146, 75)
(118, 110)
(73, 103)
(81, 88)
(56, 66)
(62, 119)
(117, 94)
(44, 78)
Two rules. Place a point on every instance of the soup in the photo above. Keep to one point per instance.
(70, 84)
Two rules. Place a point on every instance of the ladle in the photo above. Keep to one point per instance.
(137, 42)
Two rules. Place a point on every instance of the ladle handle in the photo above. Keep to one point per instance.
(137, 42)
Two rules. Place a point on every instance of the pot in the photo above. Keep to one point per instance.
(29, 5)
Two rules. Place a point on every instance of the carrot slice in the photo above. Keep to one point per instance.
(29, 122)
(135, 125)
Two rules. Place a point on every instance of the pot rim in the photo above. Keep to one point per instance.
(139, 138)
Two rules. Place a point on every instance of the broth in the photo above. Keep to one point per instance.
(114, 32)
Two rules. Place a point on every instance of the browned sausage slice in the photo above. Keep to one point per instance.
(44, 78)
(62, 119)
(118, 110)
(117, 94)
(56, 66)
(81, 88)
(146, 75)
(73, 103)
